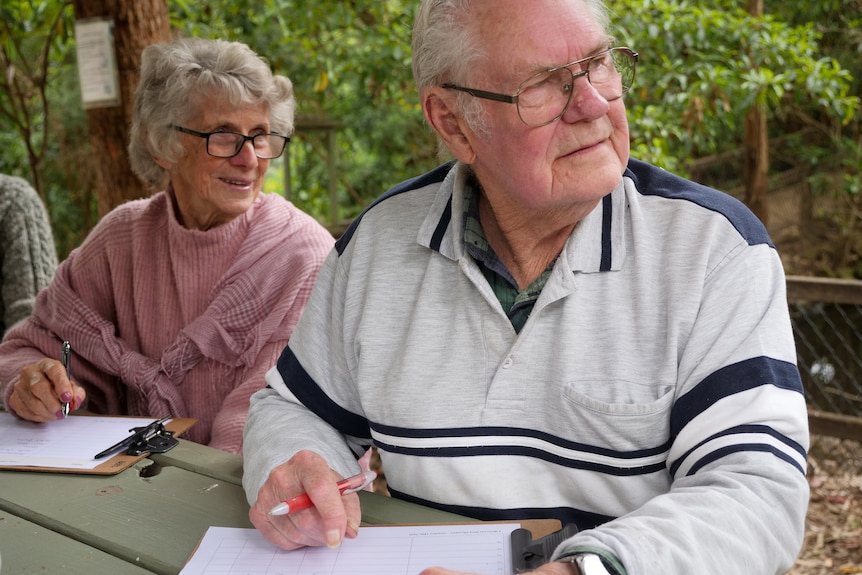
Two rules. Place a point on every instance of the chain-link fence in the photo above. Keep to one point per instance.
(826, 313)
(827, 324)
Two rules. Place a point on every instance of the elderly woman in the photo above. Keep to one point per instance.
(178, 304)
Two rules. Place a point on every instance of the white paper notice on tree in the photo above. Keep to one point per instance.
(479, 548)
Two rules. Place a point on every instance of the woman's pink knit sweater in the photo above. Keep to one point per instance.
(164, 320)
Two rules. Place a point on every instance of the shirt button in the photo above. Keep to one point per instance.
(508, 362)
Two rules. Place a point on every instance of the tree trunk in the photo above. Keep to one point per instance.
(756, 167)
(756, 148)
(137, 24)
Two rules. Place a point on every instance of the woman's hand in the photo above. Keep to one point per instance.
(41, 390)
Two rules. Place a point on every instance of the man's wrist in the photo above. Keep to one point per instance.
(586, 564)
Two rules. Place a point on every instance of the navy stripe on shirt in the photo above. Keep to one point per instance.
(514, 432)
(653, 181)
(750, 429)
(309, 393)
(607, 221)
(566, 515)
(729, 380)
(509, 441)
(747, 447)
(524, 451)
(436, 175)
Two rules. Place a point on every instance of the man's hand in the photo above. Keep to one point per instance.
(332, 518)
(41, 389)
(547, 569)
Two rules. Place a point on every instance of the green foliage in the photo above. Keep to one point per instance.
(43, 131)
(702, 67)
(35, 39)
(350, 63)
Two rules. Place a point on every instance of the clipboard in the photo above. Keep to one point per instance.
(533, 545)
(534, 542)
(253, 542)
(115, 464)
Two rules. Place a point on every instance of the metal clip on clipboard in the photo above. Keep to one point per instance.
(528, 554)
(152, 438)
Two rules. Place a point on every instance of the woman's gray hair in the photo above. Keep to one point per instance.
(178, 77)
(446, 47)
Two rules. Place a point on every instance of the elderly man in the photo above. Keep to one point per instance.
(545, 327)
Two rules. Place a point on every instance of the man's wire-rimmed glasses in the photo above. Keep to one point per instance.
(229, 144)
(543, 97)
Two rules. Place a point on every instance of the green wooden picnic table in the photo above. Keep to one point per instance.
(145, 519)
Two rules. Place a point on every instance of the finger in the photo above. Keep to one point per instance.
(303, 526)
(62, 388)
(56, 372)
(298, 529)
(354, 515)
(324, 523)
(31, 408)
(76, 398)
(33, 397)
(279, 532)
(329, 515)
(19, 405)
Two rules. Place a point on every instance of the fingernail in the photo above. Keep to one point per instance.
(60, 414)
(333, 539)
(66, 397)
(34, 379)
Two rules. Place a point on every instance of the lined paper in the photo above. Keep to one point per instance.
(69, 443)
(479, 548)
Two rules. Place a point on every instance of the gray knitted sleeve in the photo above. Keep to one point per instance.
(28, 257)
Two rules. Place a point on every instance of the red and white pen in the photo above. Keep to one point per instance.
(345, 486)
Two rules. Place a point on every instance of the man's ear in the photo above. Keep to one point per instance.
(438, 105)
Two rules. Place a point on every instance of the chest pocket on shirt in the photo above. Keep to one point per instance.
(620, 398)
(624, 414)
